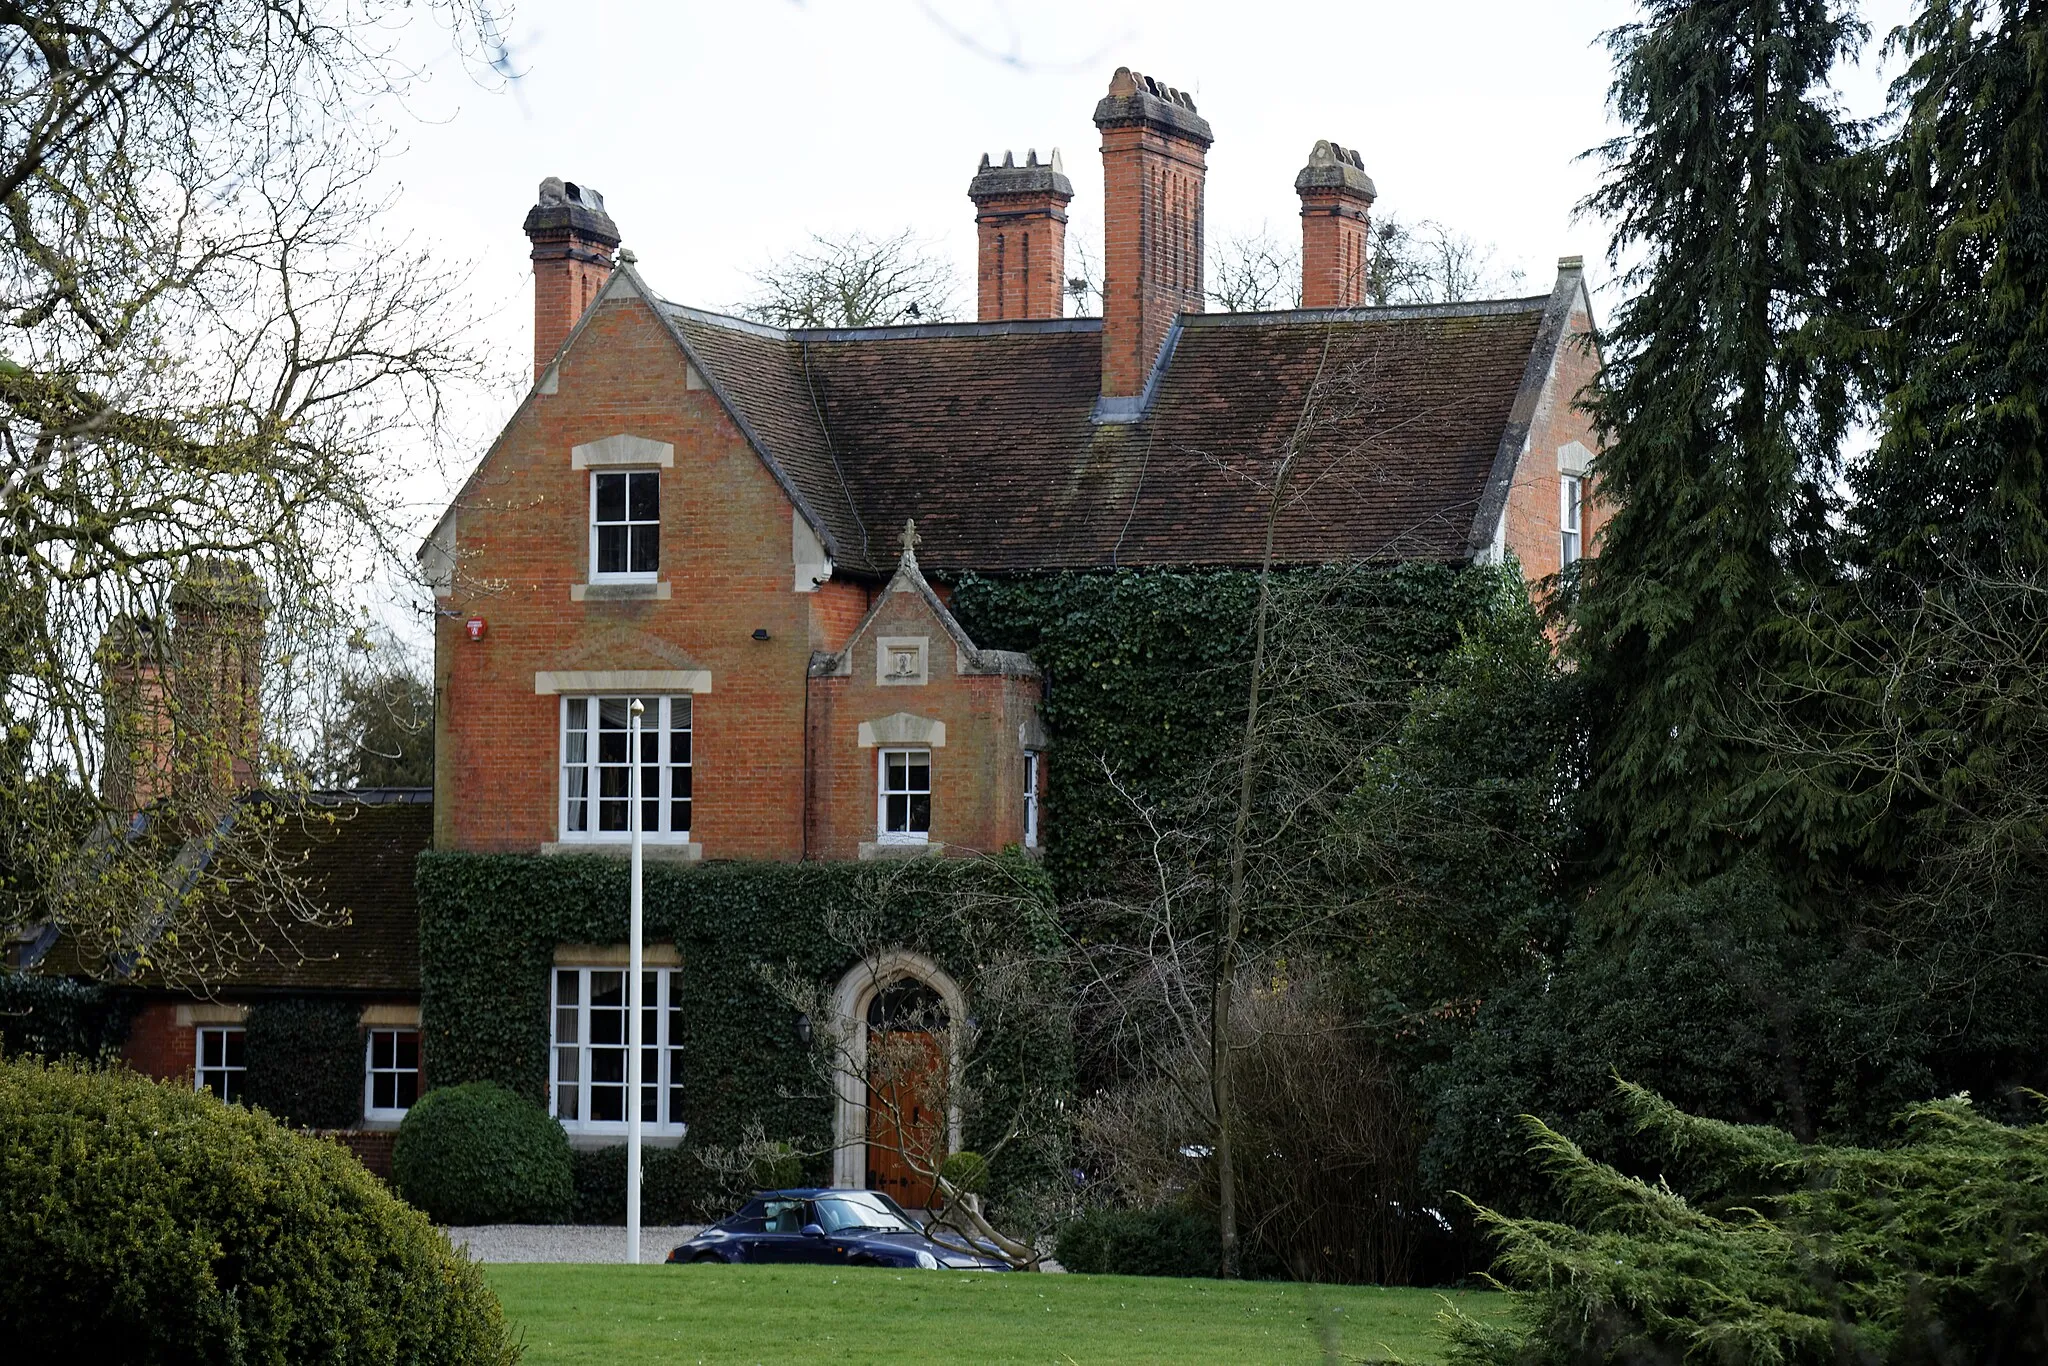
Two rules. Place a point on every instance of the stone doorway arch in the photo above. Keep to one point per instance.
(877, 984)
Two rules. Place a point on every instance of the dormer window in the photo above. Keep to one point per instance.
(625, 525)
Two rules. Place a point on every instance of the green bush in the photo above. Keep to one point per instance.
(1172, 1241)
(1755, 1247)
(151, 1221)
(305, 1061)
(967, 1171)
(478, 1154)
(669, 1186)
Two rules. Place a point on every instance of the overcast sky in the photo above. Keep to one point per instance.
(722, 134)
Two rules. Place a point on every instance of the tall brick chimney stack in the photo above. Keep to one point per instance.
(573, 240)
(1154, 148)
(1336, 203)
(1020, 216)
(185, 705)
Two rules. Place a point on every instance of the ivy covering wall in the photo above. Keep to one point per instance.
(1146, 670)
(305, 1060)
(55, 1017)
(490, 925)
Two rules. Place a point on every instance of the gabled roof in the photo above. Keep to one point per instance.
(1407, 423)
(909, 578)
(355, 854)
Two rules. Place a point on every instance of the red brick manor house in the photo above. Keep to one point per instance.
(753, 531)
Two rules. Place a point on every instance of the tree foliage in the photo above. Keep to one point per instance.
(854, 279)
(1721, 409)
(210, 347)
(1759, 1248)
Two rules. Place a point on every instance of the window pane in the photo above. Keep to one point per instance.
(611, 549)
(209, 1048)
(607, 990)
(384, 1091)
(568, 1099)
(645, 552)
(920, 773)
(920, 814)
(408, 1090)
(383, 1048)
(232, 1040)
(611, 497)
(566, 982)
(898, 819)
(579, 713)
(646, 497)
(408, 1050)
(898, 772)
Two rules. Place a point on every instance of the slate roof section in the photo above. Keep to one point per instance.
(985, 433)
(362, 862)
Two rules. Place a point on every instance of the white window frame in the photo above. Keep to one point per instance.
(1571, 493)
(667, 1079)
(372, 1110)
(200, 1071)
(626, 576)
(659, 718)
(883, 834)
(1031, 781)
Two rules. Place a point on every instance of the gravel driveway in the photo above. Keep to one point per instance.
(566, 1242)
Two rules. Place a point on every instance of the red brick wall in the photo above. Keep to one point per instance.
(1152, 184)
(1021, 263)
(158, 1046)
(522, 541)
(1333, 243)
(977, 776)
(1533, 506)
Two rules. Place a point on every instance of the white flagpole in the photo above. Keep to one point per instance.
(633, 1012)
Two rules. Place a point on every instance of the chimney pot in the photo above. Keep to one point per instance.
(1020, 221)
(1336, 203)
(573, 241)
(1154, 163)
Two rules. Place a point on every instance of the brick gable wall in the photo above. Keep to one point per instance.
(522, 545)
(977, 774)
(1533, 510)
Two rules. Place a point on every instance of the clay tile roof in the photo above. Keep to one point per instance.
(363, 864)
(360, 862)
(985, 433)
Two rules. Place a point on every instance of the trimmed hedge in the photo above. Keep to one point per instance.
(146, 1220)
(490, 924)
(305, 1060)
(480, 1154)
(1172, 1241)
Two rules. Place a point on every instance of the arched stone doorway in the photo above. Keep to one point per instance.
(899, 1013)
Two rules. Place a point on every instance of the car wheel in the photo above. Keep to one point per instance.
(703, 1258)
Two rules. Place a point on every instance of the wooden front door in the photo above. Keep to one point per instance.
(907, 1097)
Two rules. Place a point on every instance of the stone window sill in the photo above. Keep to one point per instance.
(875, 849)
(587, 1141)
(667, 851)
(620, 592)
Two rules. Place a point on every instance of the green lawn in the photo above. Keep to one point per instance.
(773, 1314)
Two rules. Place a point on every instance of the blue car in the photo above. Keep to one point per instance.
(830, 1227)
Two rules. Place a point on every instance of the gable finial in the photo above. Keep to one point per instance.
(911, 540)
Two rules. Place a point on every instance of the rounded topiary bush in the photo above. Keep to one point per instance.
(480, 1154)
(1172, 1241)
(148, 1221)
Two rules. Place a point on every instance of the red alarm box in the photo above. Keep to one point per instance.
(476, 628)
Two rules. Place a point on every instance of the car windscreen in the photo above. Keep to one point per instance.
(856, 1210)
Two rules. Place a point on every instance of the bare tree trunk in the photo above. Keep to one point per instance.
(1230, 927)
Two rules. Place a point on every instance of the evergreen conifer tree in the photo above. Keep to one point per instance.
(1959, 482)
(1734, 200)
